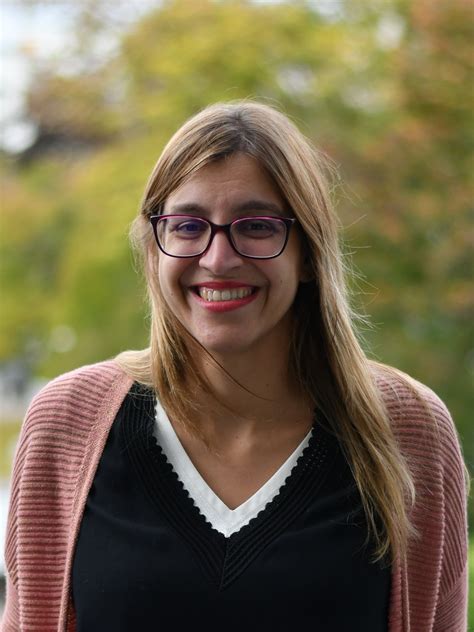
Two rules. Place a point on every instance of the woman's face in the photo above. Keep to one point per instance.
(256, 312)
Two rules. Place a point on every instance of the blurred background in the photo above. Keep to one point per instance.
(91, 91)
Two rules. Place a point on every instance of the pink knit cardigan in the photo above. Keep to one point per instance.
(61, 442)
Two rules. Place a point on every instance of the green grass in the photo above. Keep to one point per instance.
(471, 584)
(9, 431)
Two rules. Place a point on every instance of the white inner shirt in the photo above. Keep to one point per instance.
(226, 521)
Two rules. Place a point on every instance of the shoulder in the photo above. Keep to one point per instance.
(411, 405)
(66, 419)
(93, 380)
(423, 427)
(428, 439)
(76, 395)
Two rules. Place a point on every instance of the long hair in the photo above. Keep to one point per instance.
(326, 356)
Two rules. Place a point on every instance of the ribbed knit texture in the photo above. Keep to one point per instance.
(61, 442)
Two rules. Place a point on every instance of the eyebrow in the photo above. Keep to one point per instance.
(249, 205)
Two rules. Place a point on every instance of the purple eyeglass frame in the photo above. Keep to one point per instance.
(225, 228)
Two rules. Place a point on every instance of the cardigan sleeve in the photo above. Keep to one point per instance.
(451, 613)
(11, 614)
(52, 459)
(451, 610)
(432, 596)
(30, 492)
(10, 619)
(441, 518)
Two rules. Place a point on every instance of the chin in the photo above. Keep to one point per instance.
(224, 348)
(225, 345)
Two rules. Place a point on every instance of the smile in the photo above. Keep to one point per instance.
(217, 296)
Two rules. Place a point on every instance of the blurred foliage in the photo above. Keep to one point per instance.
(470, 619)
(384, 88)
(9, 432)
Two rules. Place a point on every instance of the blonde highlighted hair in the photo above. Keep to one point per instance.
(326, 356)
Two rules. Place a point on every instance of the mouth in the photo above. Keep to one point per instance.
(212, 295)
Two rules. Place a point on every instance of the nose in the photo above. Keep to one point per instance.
(220, 257)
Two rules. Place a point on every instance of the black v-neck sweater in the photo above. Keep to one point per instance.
(147, 559)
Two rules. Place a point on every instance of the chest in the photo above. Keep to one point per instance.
(234, 478)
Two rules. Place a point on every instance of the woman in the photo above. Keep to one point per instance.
(252, 468)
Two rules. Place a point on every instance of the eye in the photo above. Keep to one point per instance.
(189, 227)
(186, 228)
(258, 228)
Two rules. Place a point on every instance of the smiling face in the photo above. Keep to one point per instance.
(230, 303)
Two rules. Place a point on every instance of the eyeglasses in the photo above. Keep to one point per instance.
(259, 237)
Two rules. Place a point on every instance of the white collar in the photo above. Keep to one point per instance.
(223, 519)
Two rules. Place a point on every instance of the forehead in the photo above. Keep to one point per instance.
(233, 180)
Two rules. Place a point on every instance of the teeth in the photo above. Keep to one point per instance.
(224, 295)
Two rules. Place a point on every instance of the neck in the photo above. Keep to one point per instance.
(257, 390)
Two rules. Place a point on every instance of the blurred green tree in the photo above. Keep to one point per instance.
(383, 88)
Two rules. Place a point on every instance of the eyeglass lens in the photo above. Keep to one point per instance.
(185, 236)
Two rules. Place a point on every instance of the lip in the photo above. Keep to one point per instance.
(223, 306)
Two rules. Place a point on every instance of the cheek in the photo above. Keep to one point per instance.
(285, 277)
(289, 283)
(169, 273)
(165, 277)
